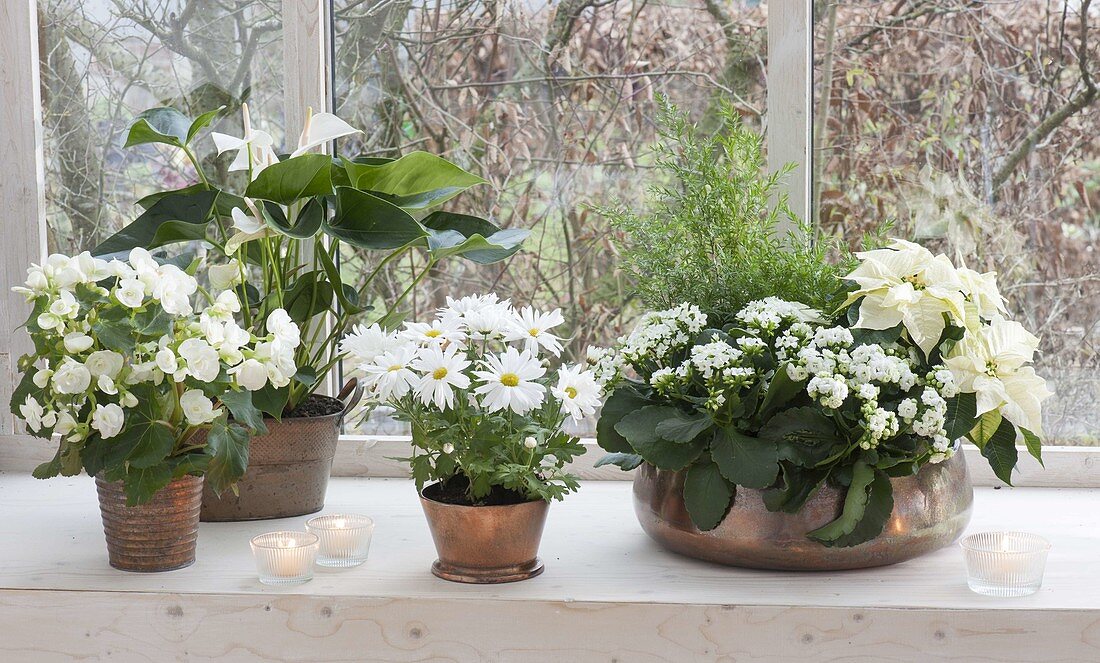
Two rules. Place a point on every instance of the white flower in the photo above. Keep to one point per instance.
(578, 391)
(106, 385)
(77, 342)
(907, 409)
(104, 362)
(249, 226)
(533, 329)
(320, 129)
(448, 448)
(490, 321)
(460, 307)
(71, 377)
(981, 290)
(250, 374)
(130, 293)
(285, 331)
(224, 277)
(42, 378)
(829, 391)
(366, 343)
(166, 361)
(509, 381)
(442, 372)
(279, 362)
(255, 148)
(197, 408)
(530, 442)
(389, 374)
(108, 420)
(439, 331)
(32, 411)
(990, 363)
(173, 289)
(143, 372)
(201, 358)
(65, 306)
(65, 424)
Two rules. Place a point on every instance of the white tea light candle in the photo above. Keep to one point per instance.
(344, 538)
(1005, 563)
(285, 558)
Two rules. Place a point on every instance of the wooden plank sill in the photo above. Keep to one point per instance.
(608, 592)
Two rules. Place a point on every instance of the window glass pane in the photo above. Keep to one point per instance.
(104, 61)
(552, 103)
(965, 123)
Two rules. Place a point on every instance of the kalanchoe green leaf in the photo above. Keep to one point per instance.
(639, 428)
(623, 461)
(707, 495)
(620, 403)
(744, 460)
(867, 506)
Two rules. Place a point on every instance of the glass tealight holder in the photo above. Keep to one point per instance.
(345, 539)
(285, 558)
(1005, 563)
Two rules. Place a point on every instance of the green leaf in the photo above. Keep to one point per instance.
(368, 222)
(744, 460)
(347, 295)
(472, 237)
(153, 322)
(621, 402)
(223, 205)
(1034, 445)
(271, 400)
(141, 484)
(244, 412)
(159, 125)
(185, 214)
(115, 335)
(624, 461)
(961, 415)
(144, 442)
(201, 122)
(639, 428)
(309, 296)
(880, 504)
(419, 179)
(1000, 450)
(681, 426)
(228, 446)
(291, 180)
(802, 435)
(305, 225)
(780, 392)
(49, 469)
(707, 496)
(987, 426)
(796, 485)
(867, 505)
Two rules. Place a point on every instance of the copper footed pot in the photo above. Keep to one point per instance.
(160, 535)
(931, 510)
(288, 469)
(486, 544)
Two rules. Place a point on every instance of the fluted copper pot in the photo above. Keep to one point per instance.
(288, 469)
(159, 535)
(931, 510)
(486, 544)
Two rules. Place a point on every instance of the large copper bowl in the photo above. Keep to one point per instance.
(931, 510)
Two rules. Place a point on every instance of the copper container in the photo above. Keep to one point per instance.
(931, 510)
(486, 544)
(159, 535)
(288, 469)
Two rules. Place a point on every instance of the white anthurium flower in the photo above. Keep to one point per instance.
(197, 408)
(108, 420)
(533, 329)
(224, 277)
(390, 375)
(256, 148)
(991, 364)
(319, 129)
(906, 284)
(249, 226)
(77, 342)
(366, 343)
(71, 377)
(509, 382)
(441, 373)
(578, 391)
(436, 332)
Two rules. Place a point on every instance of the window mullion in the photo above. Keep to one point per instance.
(790, 93)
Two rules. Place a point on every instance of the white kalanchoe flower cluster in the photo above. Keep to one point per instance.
(659, 334)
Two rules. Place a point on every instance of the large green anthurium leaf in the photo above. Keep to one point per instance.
(228, 447)
(202, 121)
(310, 295)
(159, 125)
(744, 460)
(867, 506)
(223, 205)
(303, 176)
(173, 218)
(305, 225)
(639, 427)
(417, 180)
(707, 495)
(1000, 450)
(472, 237)
(620, 403)
(369, 222)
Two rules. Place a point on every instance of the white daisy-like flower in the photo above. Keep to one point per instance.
(533, 329)
(508, 382)
(490, 321)
(578, 391)
(366, 343)
(436, 332)
(389, 375)
(441, 373)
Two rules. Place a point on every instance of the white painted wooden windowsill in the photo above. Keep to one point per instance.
(608, 592)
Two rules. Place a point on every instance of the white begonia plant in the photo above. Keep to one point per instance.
(128, 376)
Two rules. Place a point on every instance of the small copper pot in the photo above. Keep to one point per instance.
(486, 544)
(159, 535)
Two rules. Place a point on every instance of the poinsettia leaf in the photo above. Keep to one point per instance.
(1034, 445)
(987, 425)
(1000, 450)
(961, 416)
(744, 460)
(707, 495)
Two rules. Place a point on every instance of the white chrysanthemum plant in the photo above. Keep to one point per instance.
(479, 388)
(786, 398)
(141, 374)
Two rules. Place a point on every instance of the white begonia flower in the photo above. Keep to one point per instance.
(441, 373)
(509, 381)
(224, 277)
(91, 269)
(250, 374)
(225, 305)
(530, 442)
(319, 129)
(533, 329)
(106, 385)
(366, 343)
(389, 375)
(981, 290)
(990, 364)
(130, 293)
(202, 360)
(173, 289)
(32, 412)
(448, 448)
(48, 321)
(104, 362)
(71, 377)
(255, 148)
(65, 424)
(278, 360)
(37, 283)
(906, 284)
(166, 361)
(42, 378)
(145, 372)
(198, 408)
(145, 268)
(128, 400)
(65, 306)
(578, 391)
(108, 420)
(77, 342)
(285, 330)
(121, 270)
(439, 331)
